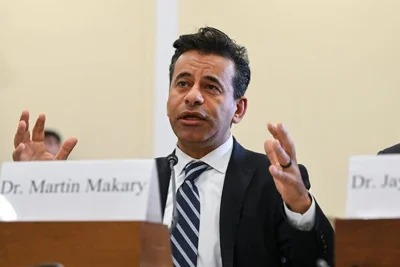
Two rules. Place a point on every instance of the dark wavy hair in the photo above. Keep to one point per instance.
(209, 40)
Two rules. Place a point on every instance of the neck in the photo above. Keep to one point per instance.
(199, 150)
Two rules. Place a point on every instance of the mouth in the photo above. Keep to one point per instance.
(191, 118)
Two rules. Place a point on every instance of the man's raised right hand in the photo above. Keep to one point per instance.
(31, 147)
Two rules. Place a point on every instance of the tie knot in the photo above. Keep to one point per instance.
(193, 170)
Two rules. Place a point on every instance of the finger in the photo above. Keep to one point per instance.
(20, 134)
(285, 141)
(25, 117)
(272, 129)
(66, 149)
(22, 128)
(18, 151)
(281, 155)
(270, 151)
(280, 175)
(38, 129)
(27, 136)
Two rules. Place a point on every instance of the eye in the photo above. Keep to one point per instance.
(211, 87)
(182, 84)
(214, 89)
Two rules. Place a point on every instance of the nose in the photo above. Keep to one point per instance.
(194, 97)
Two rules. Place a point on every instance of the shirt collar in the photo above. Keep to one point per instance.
(218, 159)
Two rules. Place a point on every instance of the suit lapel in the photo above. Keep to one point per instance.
(238, 176)
(164, 176)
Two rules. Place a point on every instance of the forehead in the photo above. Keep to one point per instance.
(50, 138)
(199, 64)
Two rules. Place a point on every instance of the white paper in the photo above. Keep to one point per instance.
(97, 190)
(373, 189)
(7, 212)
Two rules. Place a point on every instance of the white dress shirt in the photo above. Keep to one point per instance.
(210, 184)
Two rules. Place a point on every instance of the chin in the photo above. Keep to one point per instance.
(192, 137)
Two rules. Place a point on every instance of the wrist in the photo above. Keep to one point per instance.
(302, 205)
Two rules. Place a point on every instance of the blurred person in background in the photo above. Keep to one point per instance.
(52, 141)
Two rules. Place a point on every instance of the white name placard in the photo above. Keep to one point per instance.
(82, 190)
(373, 190)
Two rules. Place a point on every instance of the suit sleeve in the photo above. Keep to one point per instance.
(303, 248)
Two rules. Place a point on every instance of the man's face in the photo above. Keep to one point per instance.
(201, 106)
(52, 145)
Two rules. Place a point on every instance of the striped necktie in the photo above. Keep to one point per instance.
(185, 236)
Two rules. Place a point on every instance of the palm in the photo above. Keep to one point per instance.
(289, 190)
(34, 149)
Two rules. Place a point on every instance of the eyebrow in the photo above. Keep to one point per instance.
(214, 80)
(182, 75)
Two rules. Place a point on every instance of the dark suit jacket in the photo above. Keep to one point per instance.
(253, 227)
(390, 150)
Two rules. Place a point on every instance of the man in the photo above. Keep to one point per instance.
(52, 141)
(235, 207)
(395, 149)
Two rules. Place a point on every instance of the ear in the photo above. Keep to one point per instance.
(241, 107)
